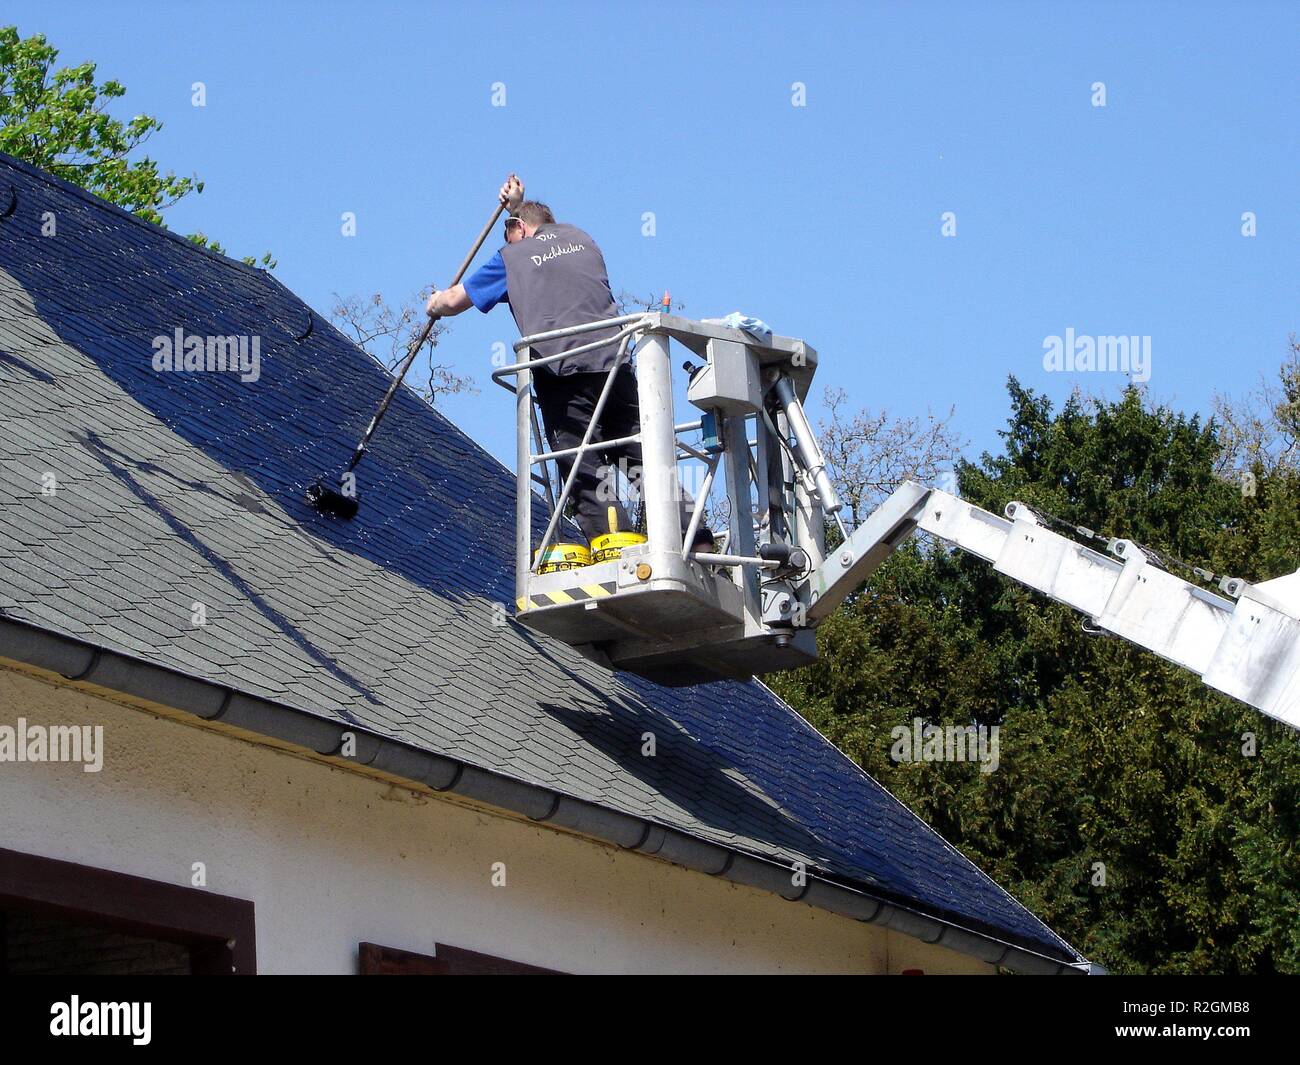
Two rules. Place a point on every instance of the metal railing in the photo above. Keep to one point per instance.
(631, 323)
(668, 515)
(559, 334)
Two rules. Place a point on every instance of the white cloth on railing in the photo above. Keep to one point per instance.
(756, 327)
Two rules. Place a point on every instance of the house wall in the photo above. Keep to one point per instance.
(331, 858)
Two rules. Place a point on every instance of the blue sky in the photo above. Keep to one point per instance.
(825, 219)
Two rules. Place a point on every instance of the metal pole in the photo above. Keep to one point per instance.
(618, 441)
(700, 503)
(575, 330)
(806, 442)
(735, 440)
(523, 485)
(416, 345)
(500, 374)
(583, 447)
(659, 485)
(710, 558)
(538, 441)
(809, 522)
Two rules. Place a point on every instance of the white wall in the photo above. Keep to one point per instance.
(331, 857)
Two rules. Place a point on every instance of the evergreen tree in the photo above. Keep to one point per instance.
(1150, 820)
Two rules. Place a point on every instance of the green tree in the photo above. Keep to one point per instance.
(1112, 761)
(58, 120)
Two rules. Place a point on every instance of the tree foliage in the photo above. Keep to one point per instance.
(58, 119)
(1109, 757)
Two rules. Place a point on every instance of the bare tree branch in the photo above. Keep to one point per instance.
(1262, 427)
(629, 302)
(385, 333)
(871, 453)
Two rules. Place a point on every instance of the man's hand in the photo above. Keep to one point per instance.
(512, 193)
(448, 302)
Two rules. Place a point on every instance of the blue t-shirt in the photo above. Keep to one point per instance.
(486, 287)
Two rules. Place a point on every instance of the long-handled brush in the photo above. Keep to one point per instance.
(343, 501)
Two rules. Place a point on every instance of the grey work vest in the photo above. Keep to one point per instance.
(554, 279)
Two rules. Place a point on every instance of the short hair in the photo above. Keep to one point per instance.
(534, 213)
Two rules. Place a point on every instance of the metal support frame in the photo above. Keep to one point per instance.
(661, 487)
(741, 541)
(660, 484)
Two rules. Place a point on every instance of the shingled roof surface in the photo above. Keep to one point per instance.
(176, 488)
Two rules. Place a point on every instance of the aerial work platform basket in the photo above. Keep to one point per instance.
(661, 609)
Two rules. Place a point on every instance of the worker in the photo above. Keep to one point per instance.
(553, 276)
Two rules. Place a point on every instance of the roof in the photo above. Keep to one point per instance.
(182, 488)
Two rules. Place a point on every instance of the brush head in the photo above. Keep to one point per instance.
(332, 501)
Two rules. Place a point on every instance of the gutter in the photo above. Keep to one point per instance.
(79, 662)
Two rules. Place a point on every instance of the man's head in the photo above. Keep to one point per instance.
(524, 222)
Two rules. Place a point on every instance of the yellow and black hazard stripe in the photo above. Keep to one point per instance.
(569, 595)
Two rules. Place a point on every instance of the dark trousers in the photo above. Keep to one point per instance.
(567, 403)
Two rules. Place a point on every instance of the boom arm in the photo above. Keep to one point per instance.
(1246, 645)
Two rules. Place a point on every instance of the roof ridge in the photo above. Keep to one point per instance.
(98, 201)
